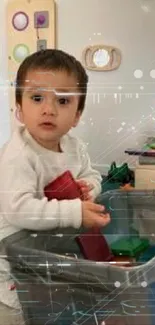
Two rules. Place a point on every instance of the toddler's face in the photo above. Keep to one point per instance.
(49, 105)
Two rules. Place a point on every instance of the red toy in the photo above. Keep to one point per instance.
(63, 187)
(93, 244)
(94, 247)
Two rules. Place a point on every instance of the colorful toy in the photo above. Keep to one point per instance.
(94, 247)
(131, 246)
(127, 187)
(120, 174)
(63, 187)
(92, 244)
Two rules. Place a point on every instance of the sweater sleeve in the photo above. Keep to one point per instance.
(20, 204)
(87, 173)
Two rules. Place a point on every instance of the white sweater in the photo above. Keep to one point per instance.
(25, 169)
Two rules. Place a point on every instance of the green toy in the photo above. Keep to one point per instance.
(120, 174)
(131, 246)
(152, 146)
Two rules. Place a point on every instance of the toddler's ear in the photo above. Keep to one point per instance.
(77, 118)
(19, 114)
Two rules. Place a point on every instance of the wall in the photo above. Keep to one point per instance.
(120, 107)
(4, 101)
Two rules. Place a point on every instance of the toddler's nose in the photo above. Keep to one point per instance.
(50, 108)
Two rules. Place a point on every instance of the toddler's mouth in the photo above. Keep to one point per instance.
(48, 125)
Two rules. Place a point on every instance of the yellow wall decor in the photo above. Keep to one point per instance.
(30, 27)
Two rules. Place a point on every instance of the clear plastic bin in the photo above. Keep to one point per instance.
(57, 286)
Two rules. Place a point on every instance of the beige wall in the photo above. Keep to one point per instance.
(130, 25)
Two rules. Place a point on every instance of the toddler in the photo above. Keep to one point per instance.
(51, 88)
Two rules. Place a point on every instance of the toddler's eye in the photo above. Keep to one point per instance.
(63, 101)
(37, 98)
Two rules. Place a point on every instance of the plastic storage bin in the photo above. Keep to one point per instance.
(57, 286)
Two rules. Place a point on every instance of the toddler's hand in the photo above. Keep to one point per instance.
(85, 189)
(93, 215)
